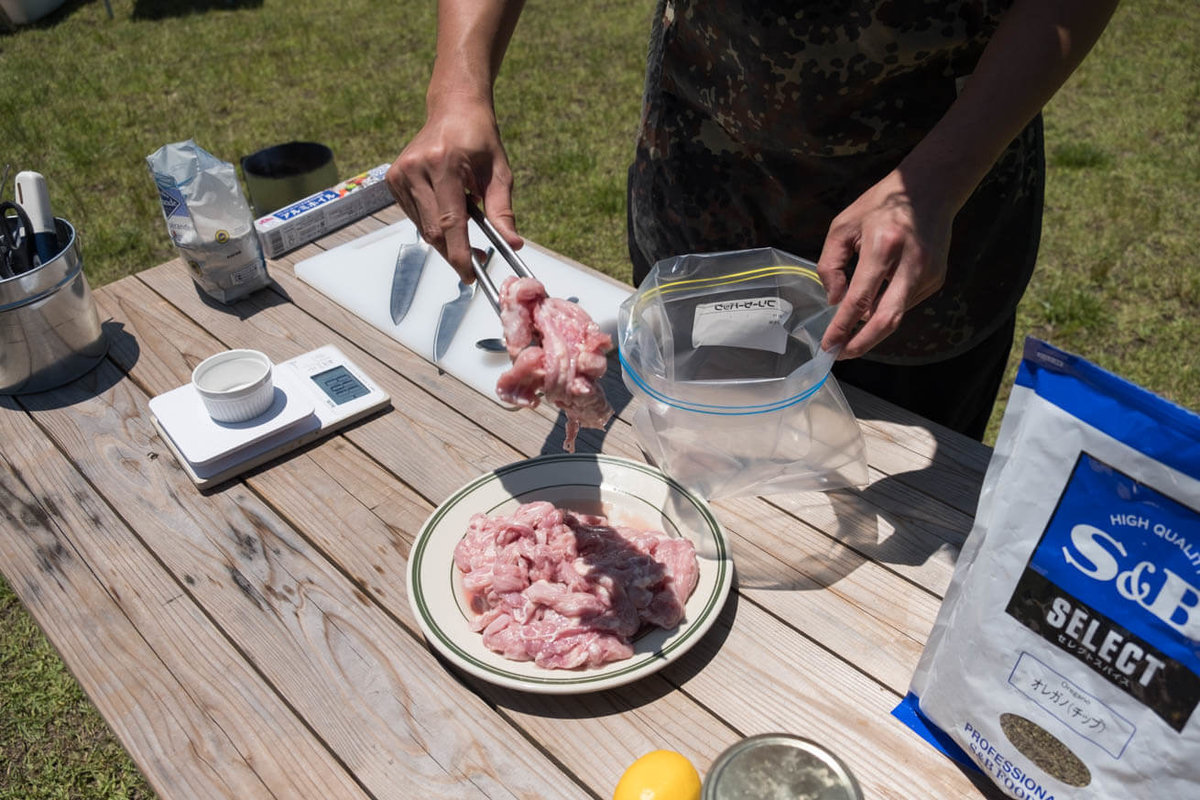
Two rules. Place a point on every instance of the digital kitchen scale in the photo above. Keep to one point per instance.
(315, 394)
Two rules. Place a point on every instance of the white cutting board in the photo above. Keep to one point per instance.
(358, 276)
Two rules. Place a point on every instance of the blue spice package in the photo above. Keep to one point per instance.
(1065, 660)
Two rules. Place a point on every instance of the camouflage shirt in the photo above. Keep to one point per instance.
(764, 119)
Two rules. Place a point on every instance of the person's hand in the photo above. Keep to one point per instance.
(457, 151)
(901, 243)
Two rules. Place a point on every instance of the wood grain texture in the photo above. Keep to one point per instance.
(196, 717)
(287, 661)
(360, 496)
(859, 617)
(762, 678)
(570, 728)
(318, 642)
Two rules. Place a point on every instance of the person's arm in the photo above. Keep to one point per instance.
(900, 228)
(459, 148)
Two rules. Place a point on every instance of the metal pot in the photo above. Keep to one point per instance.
(279, 176)
(50, 330)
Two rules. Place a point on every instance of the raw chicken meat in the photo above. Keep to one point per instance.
(569, 590)
(557, 352)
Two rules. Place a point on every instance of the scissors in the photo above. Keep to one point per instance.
(16, 242)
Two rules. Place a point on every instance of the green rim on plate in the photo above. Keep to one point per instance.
(557, 476)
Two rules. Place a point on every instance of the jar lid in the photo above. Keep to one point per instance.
(778, 765)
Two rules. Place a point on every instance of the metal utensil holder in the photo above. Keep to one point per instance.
(50, 330)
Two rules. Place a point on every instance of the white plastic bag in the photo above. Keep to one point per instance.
(1065, 660)
(209, 220)
(724, 351)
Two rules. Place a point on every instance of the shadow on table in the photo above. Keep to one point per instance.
(93, 383)
(124, 351)
(270, 296)
(895, 521)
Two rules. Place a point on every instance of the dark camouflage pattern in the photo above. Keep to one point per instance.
(764, 119)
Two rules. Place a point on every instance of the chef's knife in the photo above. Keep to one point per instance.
(410, 263)
(452, 314)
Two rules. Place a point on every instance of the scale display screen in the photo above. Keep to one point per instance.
(340, 385)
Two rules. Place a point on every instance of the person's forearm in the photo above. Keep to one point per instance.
(1036, 47)
(472, 37)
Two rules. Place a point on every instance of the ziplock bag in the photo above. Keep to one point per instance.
(209, 220)
(1065, 659)
(724, 351)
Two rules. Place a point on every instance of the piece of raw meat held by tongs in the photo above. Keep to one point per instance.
(558, 352)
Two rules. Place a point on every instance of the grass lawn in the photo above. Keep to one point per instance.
(87, 98)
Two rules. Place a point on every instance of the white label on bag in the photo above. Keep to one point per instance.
(754, 322)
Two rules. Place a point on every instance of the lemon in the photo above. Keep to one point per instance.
(659, 775)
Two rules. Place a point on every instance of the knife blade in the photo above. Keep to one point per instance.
(410, 263)
(452, 313)
(450, 318)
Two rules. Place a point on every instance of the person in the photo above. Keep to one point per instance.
(898, 143)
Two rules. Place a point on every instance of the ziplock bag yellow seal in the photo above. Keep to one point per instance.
(723, 350)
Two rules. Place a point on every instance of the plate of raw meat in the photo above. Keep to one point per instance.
(568, 573)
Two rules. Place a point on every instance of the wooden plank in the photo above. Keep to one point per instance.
(940, 462)
(322, 617)
(859, 618)
(893, 496)
(197, 720)
(570, 728)
(890, 523)
(918, 462)
(621, 434)
(578, 725)
(377, 699)
(917, 434)
(371, 554)
(385, 514)
(894, 655)
(762, 678)
(861, 612)
(831, 592)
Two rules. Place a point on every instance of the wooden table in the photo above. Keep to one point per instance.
(256, 640)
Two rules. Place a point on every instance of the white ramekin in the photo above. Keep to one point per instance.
(235, 385)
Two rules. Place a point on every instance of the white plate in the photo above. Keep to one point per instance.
(628, 493)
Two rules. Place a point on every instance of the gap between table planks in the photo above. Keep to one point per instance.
(939, 542)
(927, 533)
(166, 681)
(406, 440)
(330, 515)
(202, 354)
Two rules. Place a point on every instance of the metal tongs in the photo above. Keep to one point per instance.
(510, 255)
